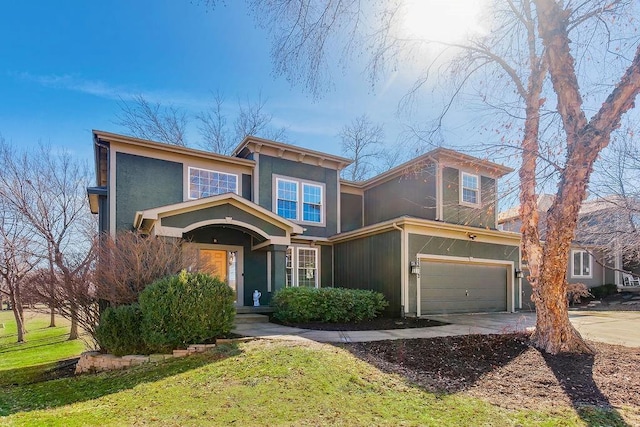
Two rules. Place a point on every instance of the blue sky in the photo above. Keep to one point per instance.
(64, 66)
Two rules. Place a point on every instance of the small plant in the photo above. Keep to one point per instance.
(119, 330)
(331, 305)
(604, 291)
(577, 291)
(184, 309)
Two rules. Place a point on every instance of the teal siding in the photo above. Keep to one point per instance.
(350, 212)
(144, 183)
(453, 212)
(373, 263)
(246, 186)
(412, 194)
(221, 212)
(255, 262)
(326, 266)
(457, 248)
(269, 166)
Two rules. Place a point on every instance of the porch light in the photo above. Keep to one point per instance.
(415, 267)
(519, 274)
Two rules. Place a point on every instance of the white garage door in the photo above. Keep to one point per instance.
(447, 287)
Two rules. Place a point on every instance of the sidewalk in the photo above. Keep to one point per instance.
(462, 325)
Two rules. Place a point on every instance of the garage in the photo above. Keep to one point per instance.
(456, 287)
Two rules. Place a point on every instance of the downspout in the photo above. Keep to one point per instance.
(403, 264)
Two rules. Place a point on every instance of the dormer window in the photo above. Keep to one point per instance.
(205, 183)
(469, 189)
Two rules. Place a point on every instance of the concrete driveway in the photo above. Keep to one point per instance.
(612, 327)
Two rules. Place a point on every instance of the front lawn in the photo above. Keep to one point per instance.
(257, 383)
(44, 347)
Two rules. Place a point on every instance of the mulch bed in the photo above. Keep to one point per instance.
(621, 301)
(378, 324)
(506, 371)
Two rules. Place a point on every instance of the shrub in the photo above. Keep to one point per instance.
(577, 291)
(119, 330)
(603, 291)
(184, 309)
(331, 305)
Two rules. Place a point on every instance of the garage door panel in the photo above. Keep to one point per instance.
(462, 288)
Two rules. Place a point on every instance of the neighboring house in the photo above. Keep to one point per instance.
(273, 215)
(595, 258)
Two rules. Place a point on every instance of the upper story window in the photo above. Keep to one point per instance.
(299, 200)
(205, 183)
(580, 264)
(469, 189)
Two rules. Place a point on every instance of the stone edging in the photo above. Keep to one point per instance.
(94, 361)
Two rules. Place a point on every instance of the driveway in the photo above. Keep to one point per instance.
(612, 327)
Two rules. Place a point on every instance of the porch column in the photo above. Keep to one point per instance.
(278, 267)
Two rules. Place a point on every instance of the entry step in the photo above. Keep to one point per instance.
(250, 309)
(251, 318)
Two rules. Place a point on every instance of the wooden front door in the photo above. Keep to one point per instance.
(215, 263)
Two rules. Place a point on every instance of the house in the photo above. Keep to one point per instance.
(273, 215)
(596, 256)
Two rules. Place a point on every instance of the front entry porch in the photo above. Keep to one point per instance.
(237, 240)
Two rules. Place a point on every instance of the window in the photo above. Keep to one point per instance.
(580, 264)
(205, 183)
(302, 267)
(469, 189)
(287, 199)
(289, 193)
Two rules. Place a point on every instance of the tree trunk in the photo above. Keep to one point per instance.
(16, 307)
(73, 333)
(52, 319)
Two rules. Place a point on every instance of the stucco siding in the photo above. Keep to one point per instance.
(453, 212)
(412, 194)
(350, 212)
(270, 166)
(144, 183)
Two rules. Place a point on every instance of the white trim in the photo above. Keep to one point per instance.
(190, 168)
(255, 191)
(590, 258)
(268, 271)
(338, 204)
(461, 188)
(300, 183)
(470, 260)
(439, 192)
(295, 256)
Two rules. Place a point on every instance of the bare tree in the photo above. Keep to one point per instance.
(361, 140)
(527, 50)
(47, 190)
(253, 120)
(214, 129)
(130, 262)
(16, 262)
(153, 121)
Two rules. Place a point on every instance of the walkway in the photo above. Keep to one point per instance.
(613, 327)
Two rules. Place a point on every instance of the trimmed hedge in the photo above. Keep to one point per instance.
(119, 330)
(331, 305)
(185, 309)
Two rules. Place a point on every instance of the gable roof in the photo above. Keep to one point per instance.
(438, 155)
(147, 218)
(253, 144)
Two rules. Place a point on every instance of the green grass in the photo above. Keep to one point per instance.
(44, 346)
(254, 383)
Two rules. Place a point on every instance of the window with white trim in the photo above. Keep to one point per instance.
(302, 267)
(287, 198)
(580, 263)
(205, 183)
(469, 189)
(299, 200)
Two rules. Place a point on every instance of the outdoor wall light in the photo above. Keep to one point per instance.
(519, 274)
(471, 236)
(415, 267)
